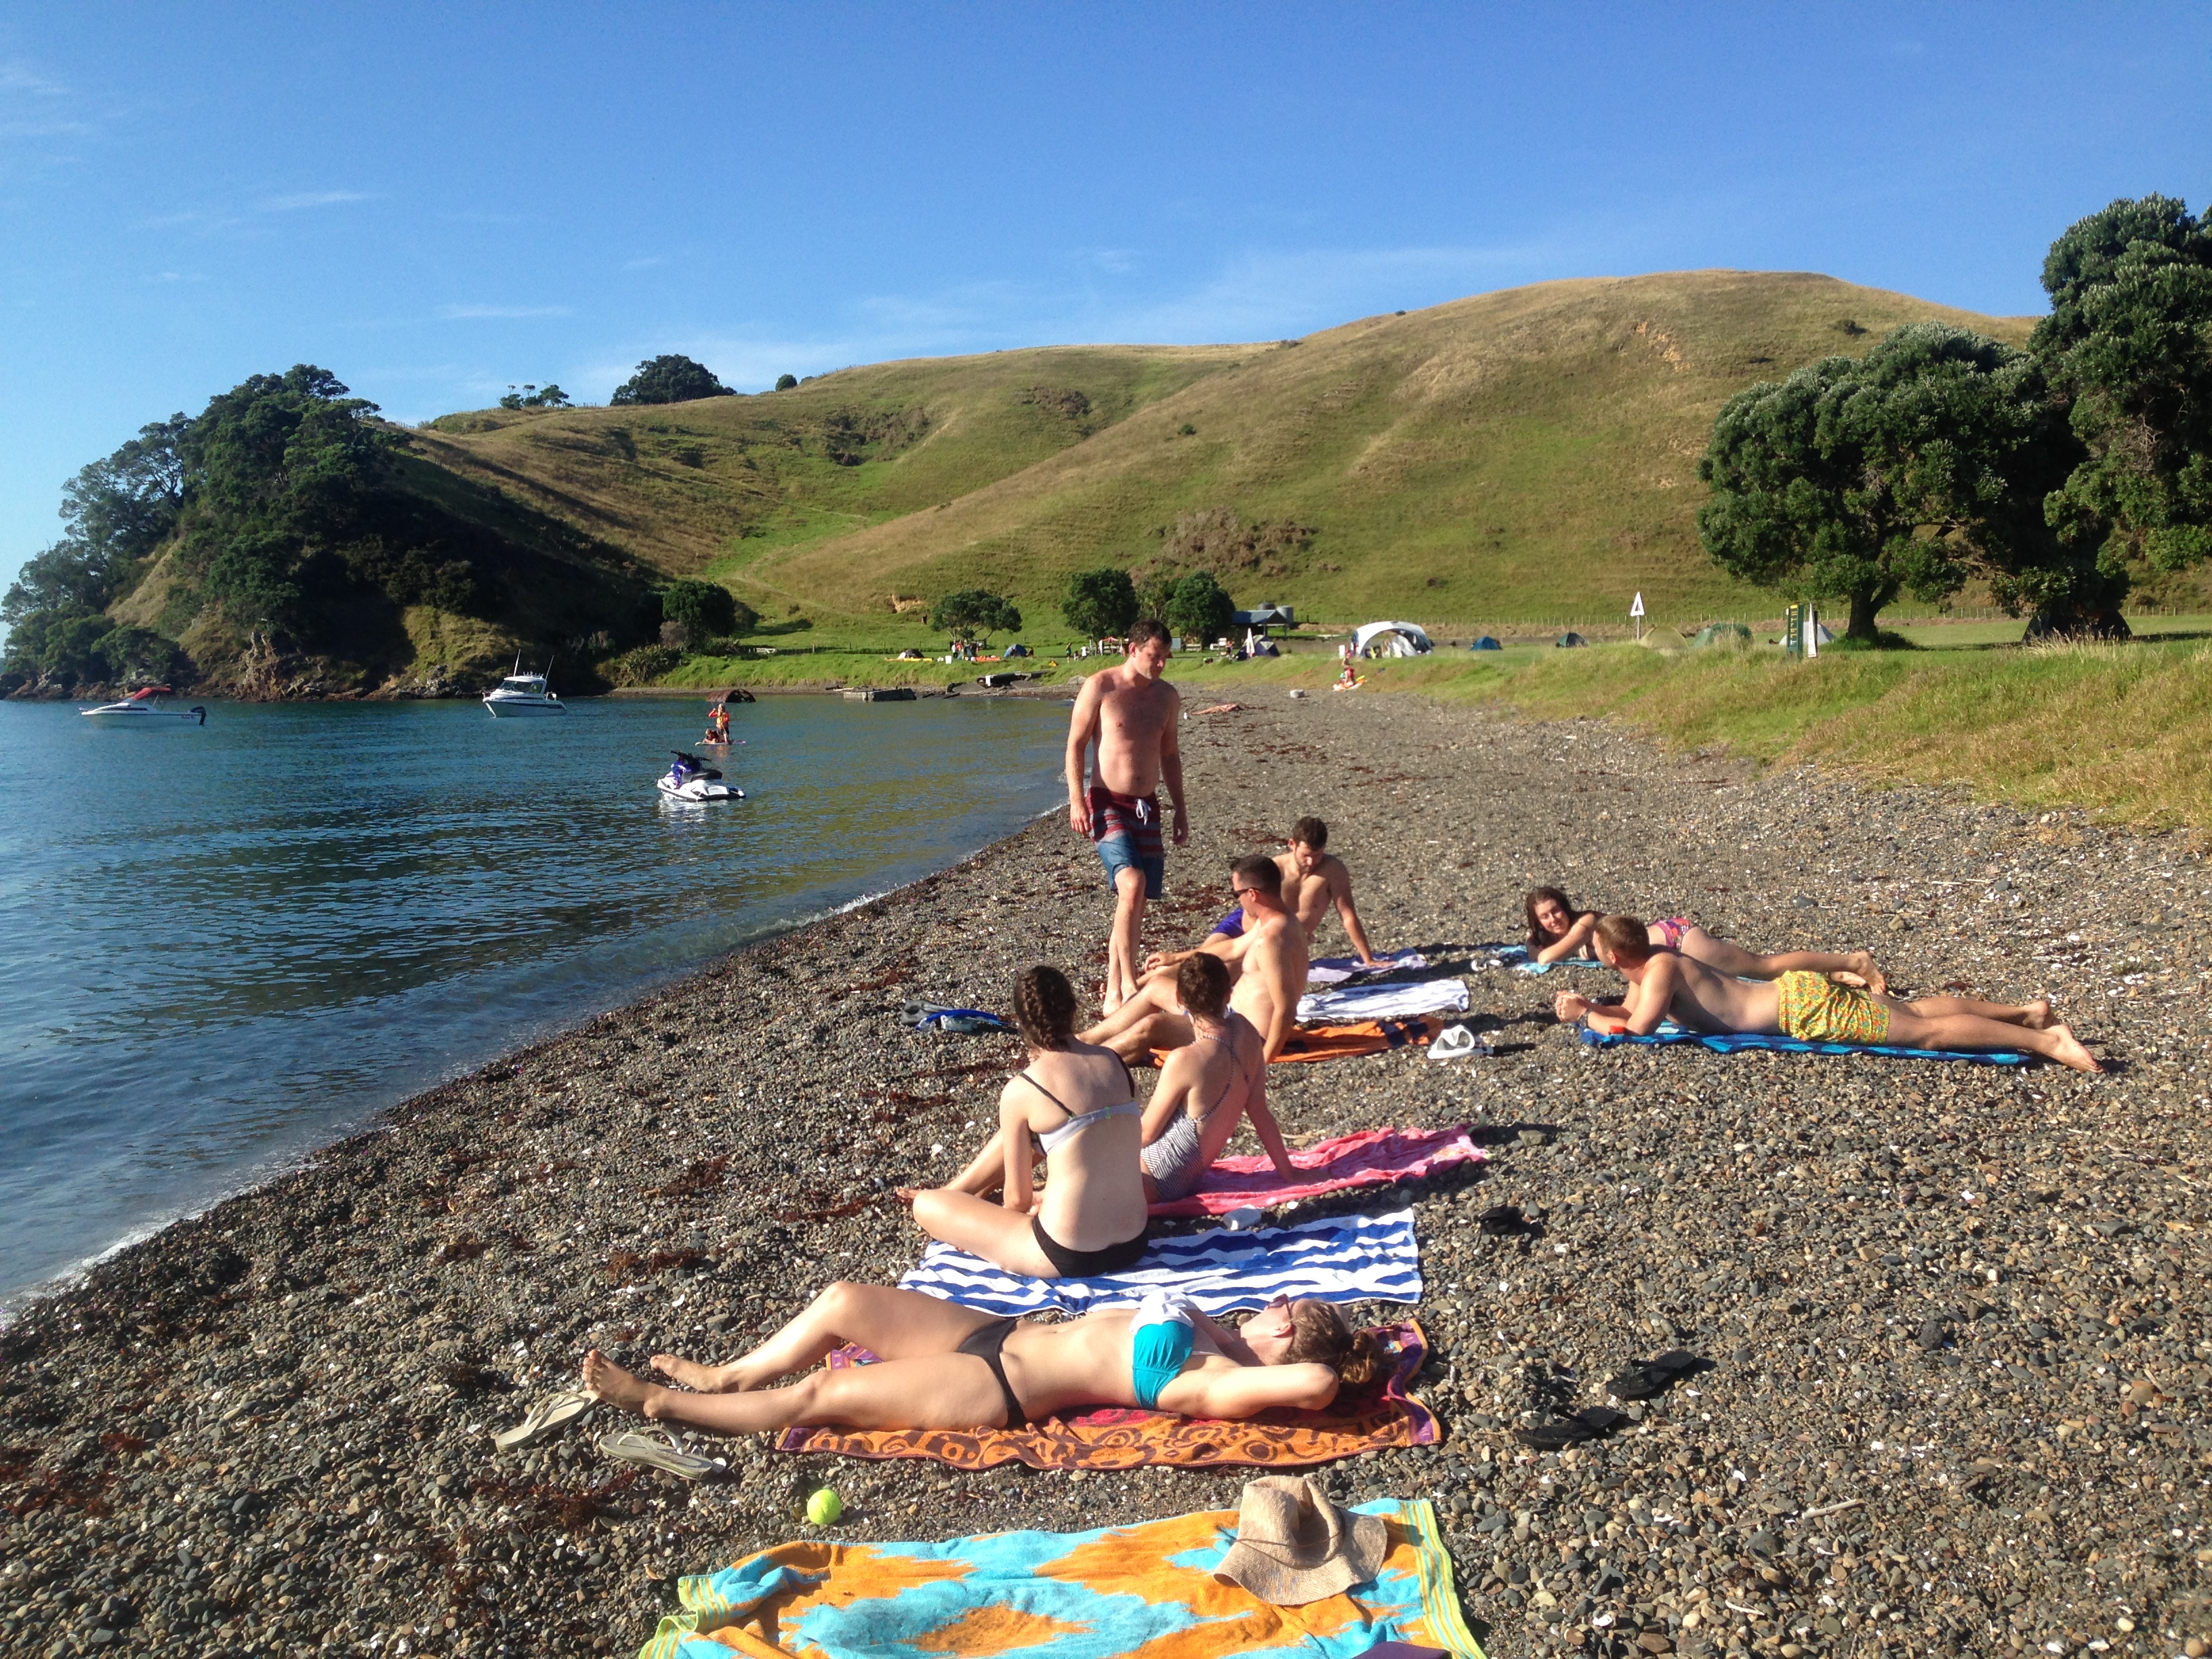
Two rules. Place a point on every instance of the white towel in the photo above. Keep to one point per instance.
(1428, 996)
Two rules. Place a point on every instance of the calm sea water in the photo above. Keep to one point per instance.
(222, 946)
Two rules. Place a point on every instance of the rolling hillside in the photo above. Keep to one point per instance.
(1521, 455)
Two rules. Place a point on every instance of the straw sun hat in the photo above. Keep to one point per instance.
(1294, 1546)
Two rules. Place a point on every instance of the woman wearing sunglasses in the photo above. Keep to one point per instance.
(944, 1366)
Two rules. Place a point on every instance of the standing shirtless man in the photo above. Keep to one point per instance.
(1131, 714)
(1270, 972)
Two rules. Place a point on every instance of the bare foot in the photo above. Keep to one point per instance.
(905, 1195)
(606, 1382)
(2068, 1051)
(2038, 1015)
(1862, 964)
(701, 1379)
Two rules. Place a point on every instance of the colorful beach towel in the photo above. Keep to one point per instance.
(1373, 1157)
(1427, 996)
(1335, 970)
(1147, 1588)
(1671, 1034)
(1341, 1259)
(1357, 1037)
(1385, 1415)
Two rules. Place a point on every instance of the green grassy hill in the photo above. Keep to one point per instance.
(1523, 456)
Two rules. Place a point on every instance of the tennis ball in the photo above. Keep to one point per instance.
(824, 1507)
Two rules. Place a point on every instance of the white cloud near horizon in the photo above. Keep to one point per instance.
(314, 198)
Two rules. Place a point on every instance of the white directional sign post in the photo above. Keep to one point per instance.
(1636, 614)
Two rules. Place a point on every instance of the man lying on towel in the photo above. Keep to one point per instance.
(1664, 984)
(1269, 969)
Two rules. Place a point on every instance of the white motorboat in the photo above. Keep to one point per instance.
(522, 694)
(691, 778)
(151, 705)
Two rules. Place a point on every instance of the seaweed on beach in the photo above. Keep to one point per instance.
(629, 1267)
(701, 1175)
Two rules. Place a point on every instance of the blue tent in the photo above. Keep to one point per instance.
(1486, 643)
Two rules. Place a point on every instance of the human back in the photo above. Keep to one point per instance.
(1067, 1098)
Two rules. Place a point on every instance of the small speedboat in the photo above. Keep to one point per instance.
(522, 694)
(149, 706)
(692, 779)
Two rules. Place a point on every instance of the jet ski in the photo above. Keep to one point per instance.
(692, 779)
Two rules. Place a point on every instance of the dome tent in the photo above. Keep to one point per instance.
(1569, 641)
(1722, 634)
(1391, 639)
(1486, 643)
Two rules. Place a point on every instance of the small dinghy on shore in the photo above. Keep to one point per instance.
(691, 778)
(149, 706)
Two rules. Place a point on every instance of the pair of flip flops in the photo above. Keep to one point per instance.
(1645, 1379)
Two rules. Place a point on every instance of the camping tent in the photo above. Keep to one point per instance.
(1728, 633)
(1266, 616)
(1568, 639)
(1486, 643)
(1391, 639)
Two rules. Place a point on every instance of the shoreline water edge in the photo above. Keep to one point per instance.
(1953, 1315)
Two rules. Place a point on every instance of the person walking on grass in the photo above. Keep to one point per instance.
(1130, 714)
(1664, 984)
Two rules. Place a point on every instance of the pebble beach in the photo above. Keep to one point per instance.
(1953, 1315)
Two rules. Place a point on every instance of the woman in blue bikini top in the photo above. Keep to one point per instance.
(1075, 1106)
(951, 1368)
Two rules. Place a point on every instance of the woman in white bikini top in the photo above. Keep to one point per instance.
(1075, 1106)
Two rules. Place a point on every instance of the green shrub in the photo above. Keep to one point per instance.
(644, 666)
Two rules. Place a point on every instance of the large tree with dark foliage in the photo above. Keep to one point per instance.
(1101, 604)
(973, 613)
(1911, 470)
(2128, 339)
(1202, 607)
(668, 380)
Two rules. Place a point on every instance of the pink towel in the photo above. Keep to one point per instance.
(1373, 1157)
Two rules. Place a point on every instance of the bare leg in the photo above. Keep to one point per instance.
(2035, 1015)
(1146, 1001)
(1136, 1042)
(980, 1228)
(1912, 1028)
(895, 1324)
(1125, 945)
(1729, 958)
(943, 1390)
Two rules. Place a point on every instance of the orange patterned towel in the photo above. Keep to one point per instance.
(1358, 1037)
(1382, 1416)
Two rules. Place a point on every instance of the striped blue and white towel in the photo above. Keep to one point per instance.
(1342, 1259)
(1357, 1002)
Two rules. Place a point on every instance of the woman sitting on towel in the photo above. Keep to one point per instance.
(1206, 1086)
(944, 1366)
(1078, 1104)
(1557, 931)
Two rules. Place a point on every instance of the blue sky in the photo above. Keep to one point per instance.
(434, 202)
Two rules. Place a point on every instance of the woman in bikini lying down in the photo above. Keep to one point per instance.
(944, 1366)
(1077, 1105)
(1557, 930)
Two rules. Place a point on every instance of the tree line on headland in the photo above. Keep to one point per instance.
(285, 540)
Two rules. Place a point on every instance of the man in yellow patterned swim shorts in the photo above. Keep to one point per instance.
(1663, 984)
(1814, 1008)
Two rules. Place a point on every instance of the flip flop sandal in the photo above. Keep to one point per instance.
(657, 1449)
(1501, 1221)
(1592, 1423)
(1647, 1379)
(547, 1419)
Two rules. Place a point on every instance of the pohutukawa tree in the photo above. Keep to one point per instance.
(2128, 339)
(1101, 604)
(1910, 471)
(973, 613)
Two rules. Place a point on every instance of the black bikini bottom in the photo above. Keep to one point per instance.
(984, 1343)
(1082, 1264)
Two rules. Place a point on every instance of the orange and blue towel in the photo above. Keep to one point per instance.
(1146, 1591)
